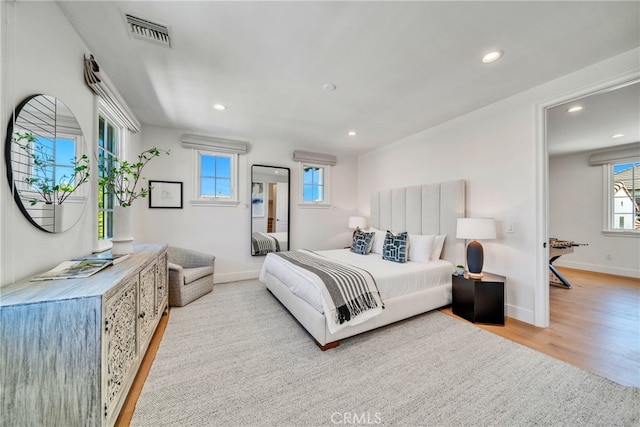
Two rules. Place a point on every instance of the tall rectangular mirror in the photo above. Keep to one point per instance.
(269, 209)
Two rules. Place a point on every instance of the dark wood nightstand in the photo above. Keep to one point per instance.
(479, 300)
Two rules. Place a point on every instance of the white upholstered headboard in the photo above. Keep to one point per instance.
(423, 209)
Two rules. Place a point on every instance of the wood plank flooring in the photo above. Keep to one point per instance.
(595, 325)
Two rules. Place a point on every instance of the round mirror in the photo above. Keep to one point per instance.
(47, 163)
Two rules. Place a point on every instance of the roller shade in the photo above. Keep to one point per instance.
(319, 158)
(214, 144)
(101, 86)
(624, 154)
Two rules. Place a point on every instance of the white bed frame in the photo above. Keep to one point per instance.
(423, 209)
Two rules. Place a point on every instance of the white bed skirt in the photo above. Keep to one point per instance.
(396, 309)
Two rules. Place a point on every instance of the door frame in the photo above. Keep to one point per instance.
(541, 297)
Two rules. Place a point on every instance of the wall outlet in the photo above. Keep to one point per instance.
(511, 227)
(608, 257)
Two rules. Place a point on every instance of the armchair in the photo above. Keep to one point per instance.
(190, 275)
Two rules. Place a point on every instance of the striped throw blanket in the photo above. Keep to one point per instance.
(262, 244)
(350, 293)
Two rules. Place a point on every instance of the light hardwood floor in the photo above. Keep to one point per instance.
(595, 325)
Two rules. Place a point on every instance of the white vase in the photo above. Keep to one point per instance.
(58, 218)
(122, 241)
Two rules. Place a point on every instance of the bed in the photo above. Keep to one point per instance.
(405, 289)
(264, 243)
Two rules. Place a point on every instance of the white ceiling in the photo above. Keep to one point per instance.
(604, 114)
(399, 67)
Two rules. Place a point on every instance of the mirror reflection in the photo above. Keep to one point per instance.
(269, 209)
(47, 163)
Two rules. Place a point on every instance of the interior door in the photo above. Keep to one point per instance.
(282, 207)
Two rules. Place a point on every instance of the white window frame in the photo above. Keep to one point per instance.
(120, 144)
(326, 202)
(608, 183)
(198, 199)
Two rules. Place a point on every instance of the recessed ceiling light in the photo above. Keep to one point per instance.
(617, 135)
(219, 107)
(352, 133)
(328, 87)
(575, 109)
(492, 56)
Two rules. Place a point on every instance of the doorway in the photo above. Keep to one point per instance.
(549, 112)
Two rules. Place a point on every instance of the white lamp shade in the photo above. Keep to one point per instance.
(476, 228)
(357, 222)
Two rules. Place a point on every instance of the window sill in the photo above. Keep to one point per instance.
(621, 233)
(210, 203)
(314, 205)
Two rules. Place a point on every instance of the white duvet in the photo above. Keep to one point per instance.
(393, 279)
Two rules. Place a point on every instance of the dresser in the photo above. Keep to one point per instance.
(70, 349)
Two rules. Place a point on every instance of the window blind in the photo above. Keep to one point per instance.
(102, 86)
(623, 154)
(214, 144)
(319, 158)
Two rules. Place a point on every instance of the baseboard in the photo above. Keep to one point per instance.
(519, 313)
(617, 271)
(237, 276)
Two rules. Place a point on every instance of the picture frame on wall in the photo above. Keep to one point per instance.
(257, 199)
(165, 194)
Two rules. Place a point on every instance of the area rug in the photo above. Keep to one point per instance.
(236, 357)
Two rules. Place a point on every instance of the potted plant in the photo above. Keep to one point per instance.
(460, 269)
(121, 179)
(52, 189)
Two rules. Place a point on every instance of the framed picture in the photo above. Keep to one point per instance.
(165, 194)
(257, 199)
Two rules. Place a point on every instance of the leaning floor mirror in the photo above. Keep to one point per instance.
(269, 209)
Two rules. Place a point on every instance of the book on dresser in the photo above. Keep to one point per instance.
(108, 256)
(74, 269)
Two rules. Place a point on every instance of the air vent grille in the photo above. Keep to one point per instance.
(148, 30)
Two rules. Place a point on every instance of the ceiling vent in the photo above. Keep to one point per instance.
(148, 30)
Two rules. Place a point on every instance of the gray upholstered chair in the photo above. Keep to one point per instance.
(190, 275)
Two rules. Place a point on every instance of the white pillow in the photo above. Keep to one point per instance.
(378, 240)
(420, 247)
(438, 244)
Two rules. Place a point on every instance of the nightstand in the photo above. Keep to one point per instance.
(479, 300)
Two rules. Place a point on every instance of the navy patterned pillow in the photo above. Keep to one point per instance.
(395, 247)
(362, 242)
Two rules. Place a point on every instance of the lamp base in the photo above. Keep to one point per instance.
(475, 259)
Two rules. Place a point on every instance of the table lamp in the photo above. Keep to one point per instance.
(356, 222)
(475, 228)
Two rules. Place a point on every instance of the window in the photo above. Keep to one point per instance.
(216, 179)
(108, 148)
(314, 190)
(624, 186)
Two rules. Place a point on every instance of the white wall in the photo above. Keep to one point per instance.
(225, 231)
(495, 149)
(576, 211)
(40, 54)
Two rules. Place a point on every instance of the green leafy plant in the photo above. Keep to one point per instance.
(121, 177)
(52, 190)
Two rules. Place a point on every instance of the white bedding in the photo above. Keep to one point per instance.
(393, 279)
(282, 239)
